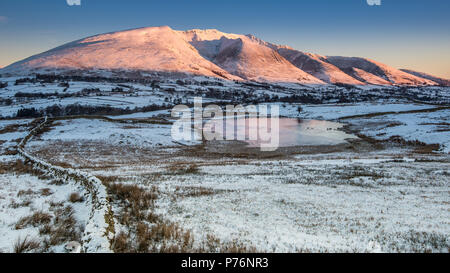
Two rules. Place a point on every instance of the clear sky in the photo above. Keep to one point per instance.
(411, 34)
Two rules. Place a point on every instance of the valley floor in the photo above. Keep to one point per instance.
(386, 192)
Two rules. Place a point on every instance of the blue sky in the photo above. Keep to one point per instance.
(402, 33)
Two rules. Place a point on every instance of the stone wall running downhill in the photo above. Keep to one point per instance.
(99, 231)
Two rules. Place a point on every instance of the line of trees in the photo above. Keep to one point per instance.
(77, 109)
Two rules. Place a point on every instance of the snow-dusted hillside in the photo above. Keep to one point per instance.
(367, 77)
(247, 58)
(146, 49)
(313, 64)
(210, 53)
(390, 74)
(441, 81)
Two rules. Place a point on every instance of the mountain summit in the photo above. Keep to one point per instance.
(214, 54)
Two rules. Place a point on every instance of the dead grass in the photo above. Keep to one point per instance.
(214, 245)
(108, 179)
(19, 167)
(183, 169)
(57, 182)
(134, 194)
(10, 151)
(197, 191)
(415, 241)
(26, 245)
(121, 243)
(134, 199)
(46, 192)
(12, 128)
(49, 127)
(428, 149)
(63, 229)
(356, 173)
(24, 203)
(64, 165)
(36, 219)
(76, 198)
(24, 193)
(149, 232)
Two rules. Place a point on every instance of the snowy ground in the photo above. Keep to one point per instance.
(325, 206)
(24, 194)
(40, 94)
(430, 128)
(356, 198)
(390, 200)
(142, 135)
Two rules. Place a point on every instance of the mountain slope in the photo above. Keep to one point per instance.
(214, 54)
(390, 74)
(246, 57)
(312, 64)
(367, 77)
(440, 81)
(146, 49)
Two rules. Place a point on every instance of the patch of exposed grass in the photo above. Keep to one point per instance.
(12, 128)
(415, 241)
(76, 198)
(57, 182)
(46, 192)
(24, 203)
(212, 244)
(151, 233)
(121, 243)
(197, 191)
(19, 167)
(63, 229)
(183, 169)
(25, 192)
(26, 245)
(36, 219)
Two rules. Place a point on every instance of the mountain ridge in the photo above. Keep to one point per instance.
(213, 53)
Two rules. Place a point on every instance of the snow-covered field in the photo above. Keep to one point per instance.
(320, 205)
(430, 128)
(46, 201)
(384, 201)
(142, 135)
(358, 196)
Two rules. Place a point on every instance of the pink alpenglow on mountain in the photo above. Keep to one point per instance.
(314, 65)
(147, 49)
(440, 81)
(385, 72)
(247, 58)
(212, 53)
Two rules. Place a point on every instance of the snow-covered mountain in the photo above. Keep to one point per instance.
(367, 77)
(147, 49)
(214, 54)
(354, 66)
(246, 57)
(314, 65)
(440, 81)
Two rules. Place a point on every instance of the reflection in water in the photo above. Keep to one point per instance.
(292, 132)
